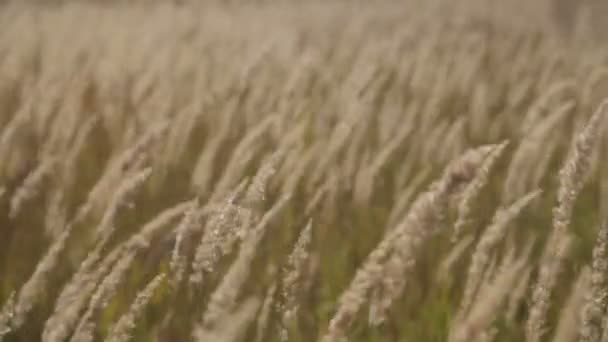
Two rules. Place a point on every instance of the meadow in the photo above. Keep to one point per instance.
(302, 171)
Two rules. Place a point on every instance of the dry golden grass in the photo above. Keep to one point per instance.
(334, 171)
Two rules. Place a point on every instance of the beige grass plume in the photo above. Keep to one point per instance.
(189, 222)
(75, 294)
(232, 326)
(34, 288)
(572, 177)
(31, 186)
(489, 240)
(120, 331)
(596, 296)
(293, 281)
(221, 233)
(404, 240)
(224, 297)
(487, 304)
(473, 189)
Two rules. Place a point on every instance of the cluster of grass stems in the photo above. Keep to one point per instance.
(300, 172)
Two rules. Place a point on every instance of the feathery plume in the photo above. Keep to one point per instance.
(486, 306)
(488, 241)
(256, 192)
(575, 171)
(404, 240)
(100, 299)
(74, 297)
(550, 270)
(572, 177)
(120, 199)
(31, 186)
(224, 297)
(177, 265)
(473, 189)
(594, 307)
(31, 291)
(292, 282)
(220, 235)
(128, 165)
(120, 331)
(232, 326)
(75, 294)
(445, 268)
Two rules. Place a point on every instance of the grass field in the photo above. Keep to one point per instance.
(320, 171)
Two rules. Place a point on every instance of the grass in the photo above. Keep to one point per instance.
(300, 172)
